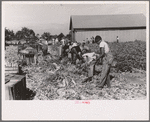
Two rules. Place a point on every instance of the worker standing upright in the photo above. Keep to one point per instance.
(63, 41)
(107, 59)
(117, 39)
(65, 49)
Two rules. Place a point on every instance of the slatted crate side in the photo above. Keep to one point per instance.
(11, 64)
(11, 67)
(15, 89)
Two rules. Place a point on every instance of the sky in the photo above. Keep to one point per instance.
(54, 17)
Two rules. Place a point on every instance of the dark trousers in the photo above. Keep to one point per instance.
(105, 77)
(74, 58)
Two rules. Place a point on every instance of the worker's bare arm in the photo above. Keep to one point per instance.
(101, 55)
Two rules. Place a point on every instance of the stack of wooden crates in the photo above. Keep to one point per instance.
(15, 84)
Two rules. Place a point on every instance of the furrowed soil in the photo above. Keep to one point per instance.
(52, 79)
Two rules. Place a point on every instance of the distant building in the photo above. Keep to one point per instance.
(128, 27)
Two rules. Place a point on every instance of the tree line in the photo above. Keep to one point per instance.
(28, 34)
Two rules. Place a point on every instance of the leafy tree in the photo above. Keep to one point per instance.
(46, 35)
(19, 35)
(9, 34)
(68, 36)
(28, 33)
(37, 36)
(25, 33)
(60, 36)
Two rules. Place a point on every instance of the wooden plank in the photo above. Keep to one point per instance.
(11, 68)
(17, 77)
(11, 72)
(8, 77)
(15, 89)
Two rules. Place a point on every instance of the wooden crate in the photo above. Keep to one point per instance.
(11, 70)
(15, 87)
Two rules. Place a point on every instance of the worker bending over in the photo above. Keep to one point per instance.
(75, 53)
(84, 49)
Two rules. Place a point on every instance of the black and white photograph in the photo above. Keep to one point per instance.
(76, 52)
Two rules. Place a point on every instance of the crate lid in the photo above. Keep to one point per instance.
(8, 77)
(13, 78)
(17, 78)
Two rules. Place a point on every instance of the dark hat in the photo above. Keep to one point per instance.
(98, 38)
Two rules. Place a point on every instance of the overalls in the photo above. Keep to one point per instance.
(105, 78)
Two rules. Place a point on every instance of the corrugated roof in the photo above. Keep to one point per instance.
(28, 50)
(107, 21)
(24, 52)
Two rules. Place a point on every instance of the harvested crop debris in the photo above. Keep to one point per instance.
(52, 79)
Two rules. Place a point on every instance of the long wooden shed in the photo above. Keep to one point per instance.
(128, 27)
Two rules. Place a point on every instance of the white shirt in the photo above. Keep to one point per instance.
(46, 42)
(56, 40)
(63, 42)
(105, 46)
(74, 44)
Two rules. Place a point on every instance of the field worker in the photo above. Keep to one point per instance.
(63, 41)
(92, 39)
(107, 59)
(84, 41)
(87, 40)
(75, 53)
(56, 40)
(90, 61)
(53, 41)
(65, 49)
(117, 39)
(70, 46)
(19, 43)
(45, 42)
(84, 49)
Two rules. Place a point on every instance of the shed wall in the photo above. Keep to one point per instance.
(110, 35)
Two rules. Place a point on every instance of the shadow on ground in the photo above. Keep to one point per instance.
(30, 94)
(111, 77)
